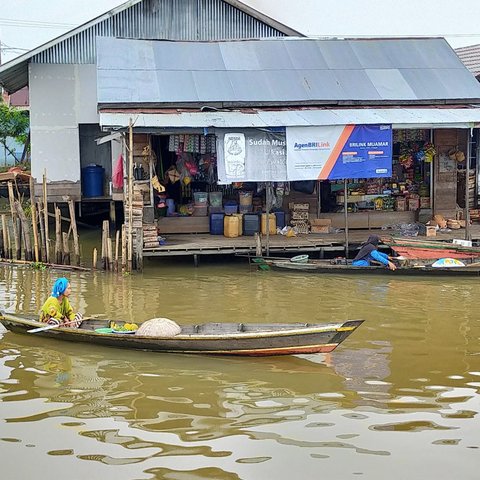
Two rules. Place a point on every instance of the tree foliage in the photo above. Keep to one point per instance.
(14, 123)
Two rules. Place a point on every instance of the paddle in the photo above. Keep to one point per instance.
(50, 327)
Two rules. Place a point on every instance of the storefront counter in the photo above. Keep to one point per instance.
(369, 219)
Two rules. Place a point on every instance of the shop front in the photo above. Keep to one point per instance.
(207, 174)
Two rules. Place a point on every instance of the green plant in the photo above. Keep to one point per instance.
(38, 266)
(14, 123)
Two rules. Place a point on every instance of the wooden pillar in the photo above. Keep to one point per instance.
(73, 225)
(16, 238)
(45, 216)
(33, 207)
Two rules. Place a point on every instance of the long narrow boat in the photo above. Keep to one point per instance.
(415, 248)
(324, 267)
(250, 339)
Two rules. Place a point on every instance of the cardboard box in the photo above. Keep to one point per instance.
(413, 204)
(321, 222)
(320, 229)
(424, 202)
(400, 204)
(431, 231)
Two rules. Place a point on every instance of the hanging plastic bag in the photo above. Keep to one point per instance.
(117, 175)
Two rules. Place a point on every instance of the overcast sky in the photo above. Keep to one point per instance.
(25, 24)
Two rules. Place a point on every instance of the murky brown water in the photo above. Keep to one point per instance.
(399, 399)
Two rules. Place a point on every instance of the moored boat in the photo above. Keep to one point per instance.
(249, 339)
(430, 249)
(326, 267)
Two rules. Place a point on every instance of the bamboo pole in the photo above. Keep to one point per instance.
(117, 240)
(58, 236)
(130, 197)
(73, 226)
(94, 261)
(6, 240)
(45, 215)
(34, 221)
(50, 265)
(66, 249)
(25, 230)
(11, 198)
(43, 252)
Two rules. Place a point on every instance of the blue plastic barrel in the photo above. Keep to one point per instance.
(92, 181)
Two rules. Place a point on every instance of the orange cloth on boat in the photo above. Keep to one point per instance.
(53, 309)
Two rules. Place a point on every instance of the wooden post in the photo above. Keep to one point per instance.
(94, 261)
(73, 225)
(104, 259)
(58, 236)
(66, 249)
(11, 198)
(2, 246)
(139, 249)
(43, 251)
(110, 253)
(33, 207)
(124, 248)
(6, 240)
(258, 245)
(45, 216)
(117, 240)
(130, 197)
(25, 231)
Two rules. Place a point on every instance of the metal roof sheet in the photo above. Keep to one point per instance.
(414, 117)
(283, 71)
(152, 19)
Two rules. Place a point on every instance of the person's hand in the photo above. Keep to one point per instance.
(392, 266)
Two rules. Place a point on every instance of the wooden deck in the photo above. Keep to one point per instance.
(316, 244)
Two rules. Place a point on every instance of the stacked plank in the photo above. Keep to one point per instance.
(299, 217)
(150, 236)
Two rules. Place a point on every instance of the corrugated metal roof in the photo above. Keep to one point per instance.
(470, 56)
(450, 117)
(281, 71)
(151, 19)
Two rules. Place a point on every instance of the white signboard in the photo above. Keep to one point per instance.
(234, 151)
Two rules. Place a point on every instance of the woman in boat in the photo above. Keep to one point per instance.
(57, 309)
(369, 252)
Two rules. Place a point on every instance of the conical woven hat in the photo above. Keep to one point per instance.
(159, 327)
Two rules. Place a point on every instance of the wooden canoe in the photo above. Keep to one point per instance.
(250, 339)
(430, 249)
(325, 267)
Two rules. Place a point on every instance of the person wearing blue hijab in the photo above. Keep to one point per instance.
(57, 309)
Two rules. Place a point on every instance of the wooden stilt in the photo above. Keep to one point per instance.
(45, 216)
(58, 236)
(6, 240)
(94, 260)
(124, 248)
(43, 251)
(16, 237)
(110, 253)
(25, 231)
(73, 225)
(130, 197)
(66, 249)
(117, 241)
(33, 207)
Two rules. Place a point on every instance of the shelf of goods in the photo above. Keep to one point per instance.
(358, 198)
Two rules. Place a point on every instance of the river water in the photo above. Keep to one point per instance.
(398, 399)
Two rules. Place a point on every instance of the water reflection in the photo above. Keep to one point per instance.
(406, 382)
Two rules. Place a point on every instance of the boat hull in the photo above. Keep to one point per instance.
(212, 339)
(320, 267)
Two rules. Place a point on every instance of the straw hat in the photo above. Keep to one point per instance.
(159, 327)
